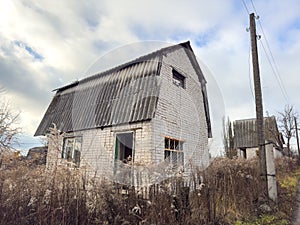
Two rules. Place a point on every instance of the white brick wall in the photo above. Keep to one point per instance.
(98, 146)
(180, 112)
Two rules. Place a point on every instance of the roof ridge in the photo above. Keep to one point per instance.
(265, 117)
(148, 56)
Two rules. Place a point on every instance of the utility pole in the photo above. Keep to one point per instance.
(297, 137)
(258, 102)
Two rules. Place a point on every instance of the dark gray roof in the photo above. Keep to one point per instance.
(245, 135)
(125, 94)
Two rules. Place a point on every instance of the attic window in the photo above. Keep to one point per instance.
(174, 151)
(72, 150)
(178, 79)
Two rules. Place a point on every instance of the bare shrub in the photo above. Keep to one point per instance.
(229, 190)
(8, 124)
(233, 189)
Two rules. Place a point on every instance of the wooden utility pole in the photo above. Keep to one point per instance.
(258, 102)
(297, 137)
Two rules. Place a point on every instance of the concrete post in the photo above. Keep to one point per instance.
(271, 173)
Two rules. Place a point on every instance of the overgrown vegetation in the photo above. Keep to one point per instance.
(228, 192)
(286, 120)
(8, 124)
(228, 139)
(288, 174)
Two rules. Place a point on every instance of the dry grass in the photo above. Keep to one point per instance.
(235, 190)
(230, 191)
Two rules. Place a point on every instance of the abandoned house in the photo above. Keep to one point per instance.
(150, 110)
(245, 137)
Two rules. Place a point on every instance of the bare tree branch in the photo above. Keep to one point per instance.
(287, 125)
(8, 129)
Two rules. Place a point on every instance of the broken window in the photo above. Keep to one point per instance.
(124, 147)
(174, 151)
(72, 149)
(178, 79)
(243, 153)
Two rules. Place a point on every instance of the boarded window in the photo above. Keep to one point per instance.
(174, 151)
(178, 79)
(72, 149)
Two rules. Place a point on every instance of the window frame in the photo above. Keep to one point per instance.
(178, 79)
(174, 151)
(71, 151)
(117, 147)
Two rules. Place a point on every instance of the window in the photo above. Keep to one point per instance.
(124, 147)
(178, 79)
(174, 151)
(72, 149)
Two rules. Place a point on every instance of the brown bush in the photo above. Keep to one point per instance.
(229, 190)
(233, 189)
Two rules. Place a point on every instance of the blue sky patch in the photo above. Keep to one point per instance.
(201, 41)
(205, 37)
(33, 53)
(92, 22)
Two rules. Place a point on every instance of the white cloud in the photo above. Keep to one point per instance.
(70, 35)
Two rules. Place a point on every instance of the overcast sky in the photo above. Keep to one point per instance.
(47, 44)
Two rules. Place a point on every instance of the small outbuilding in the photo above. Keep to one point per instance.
(245, 137)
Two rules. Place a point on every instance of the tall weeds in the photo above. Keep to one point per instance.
(229, 190)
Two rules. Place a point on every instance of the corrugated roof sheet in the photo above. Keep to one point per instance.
(123, 96)
(245, 135)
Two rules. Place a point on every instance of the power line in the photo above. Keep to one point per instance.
(254, 7)
(249, 63)
(276, 71)
(272, 61)
(277, 78)
(245, 5)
